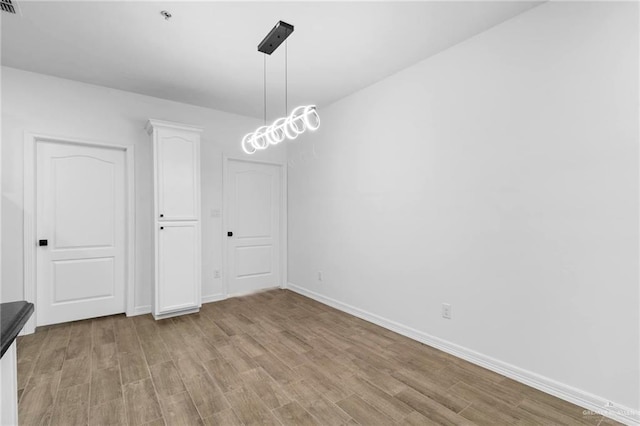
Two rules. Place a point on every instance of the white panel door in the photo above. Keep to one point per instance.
(178, 270)
(178, 174)
(253, 207)
(80, 197)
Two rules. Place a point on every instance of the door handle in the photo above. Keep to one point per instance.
(229, 234)
(42, 243)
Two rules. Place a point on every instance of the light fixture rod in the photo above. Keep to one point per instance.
(286, 77)
(264, 87)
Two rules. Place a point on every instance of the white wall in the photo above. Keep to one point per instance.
(500, 176)
(53, 106)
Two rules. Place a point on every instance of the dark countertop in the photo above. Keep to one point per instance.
(13, 316)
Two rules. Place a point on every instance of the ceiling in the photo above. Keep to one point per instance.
(206, 54)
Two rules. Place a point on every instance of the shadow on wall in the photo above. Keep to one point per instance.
(304, 156)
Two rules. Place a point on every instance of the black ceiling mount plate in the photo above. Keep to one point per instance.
(276, 36)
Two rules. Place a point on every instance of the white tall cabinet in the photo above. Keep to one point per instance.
(176, 236)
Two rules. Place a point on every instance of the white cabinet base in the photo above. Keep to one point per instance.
(175, 314)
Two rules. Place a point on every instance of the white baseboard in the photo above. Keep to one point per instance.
(140, 310)
(576, 396)
(29, 327)
(213, 298)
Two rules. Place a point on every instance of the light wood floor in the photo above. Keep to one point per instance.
(269, 358)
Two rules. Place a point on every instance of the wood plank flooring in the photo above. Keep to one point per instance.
(270, 358)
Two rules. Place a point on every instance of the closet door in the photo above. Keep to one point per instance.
(178, 267)
(178, 175)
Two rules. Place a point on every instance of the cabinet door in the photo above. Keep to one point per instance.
(178, 273)
(178, 175)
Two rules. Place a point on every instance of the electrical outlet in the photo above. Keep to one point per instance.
(216, 273)
(446, 311)
(319, 275)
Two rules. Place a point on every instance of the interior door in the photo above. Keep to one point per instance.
(80, 195)
(253, 234)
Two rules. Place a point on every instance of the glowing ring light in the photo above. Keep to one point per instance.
(301, 119)
(277, 132)
(269, 136)
(291, 130)
(247, 144)
(296, 120)
(259, 139)
(309, 112)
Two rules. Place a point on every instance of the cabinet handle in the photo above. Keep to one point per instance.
(162, 227)
(161, 215)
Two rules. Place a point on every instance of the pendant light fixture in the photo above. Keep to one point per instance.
(301, 118)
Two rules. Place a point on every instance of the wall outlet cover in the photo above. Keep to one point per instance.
(446, 310)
